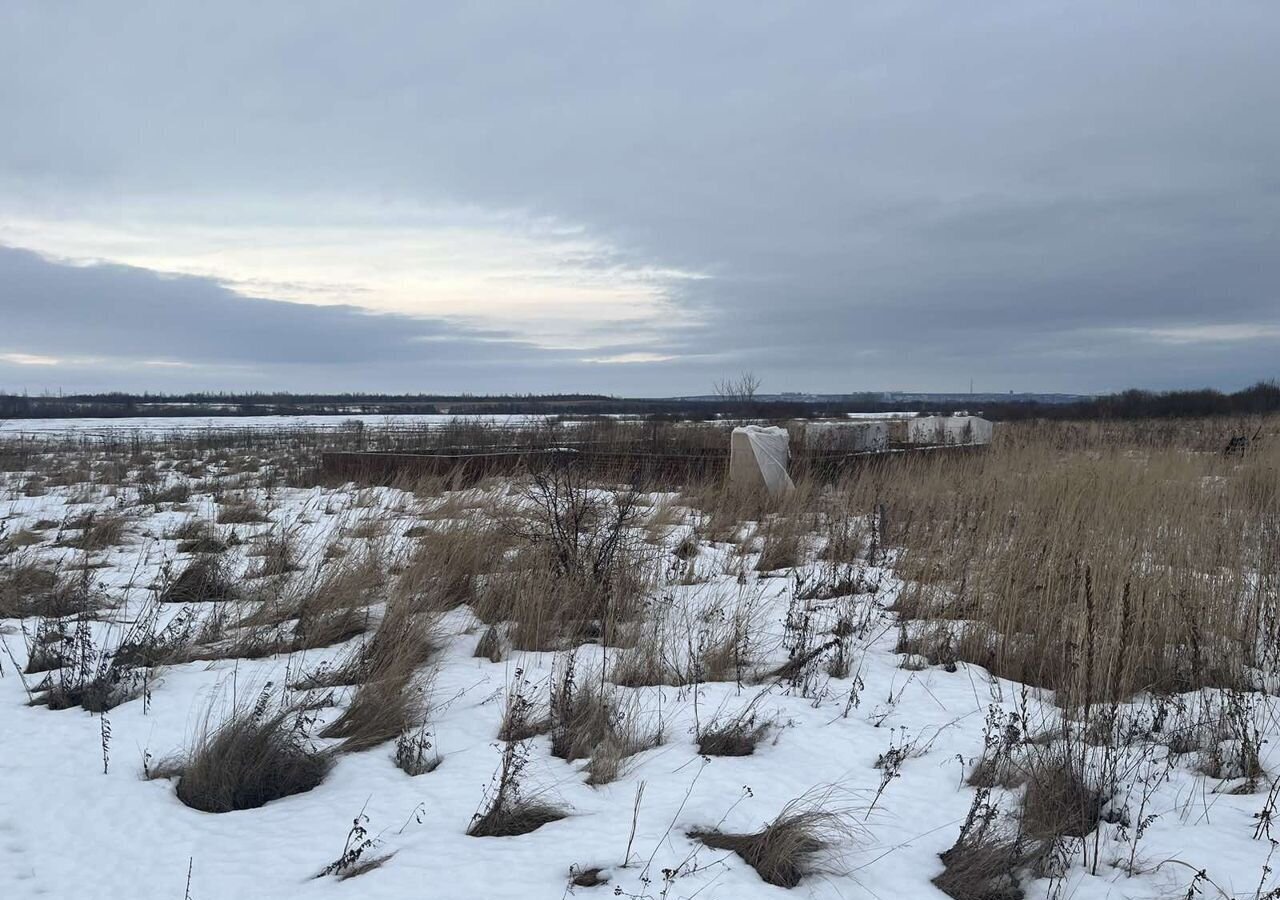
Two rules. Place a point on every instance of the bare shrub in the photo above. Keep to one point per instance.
(586, 542)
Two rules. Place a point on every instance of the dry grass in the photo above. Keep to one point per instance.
(242, 511)
(804, 839)
(381, 710)
(1098, 572)
(277, 555)
(985, 867)
(592, 721)
(29, 588)
(509, 809)
(20, 539)
(252, 757)
(203, 579)
(316, 629)
(1061, 799)
(784, 543)
(197, 536)
(449, 563)
(335, 607)
(388, 701)
(736, 736)
(98, 531)
(701, 640)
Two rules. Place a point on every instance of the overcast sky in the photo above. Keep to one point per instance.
(639, 198)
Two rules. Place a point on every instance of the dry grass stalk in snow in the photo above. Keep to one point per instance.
(595, 721)
(806, 838)
(784, 544)
(523, 717)
(240, 511)
(985, 864)
(197, 536)
(700, 639)
(1061, 797)
(415, 752)
(383, 707)
(98, 531)
(255, 755)
(277, 555)
(30, 589)
(449, 562)
(736, 736)
(204, 579)
(388, 701)
(508, 809)
(334, 606)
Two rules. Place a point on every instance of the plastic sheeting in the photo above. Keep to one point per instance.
(758, 459)
(949, 430)
(846, 437)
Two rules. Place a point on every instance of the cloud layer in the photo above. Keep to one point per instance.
(839, 196)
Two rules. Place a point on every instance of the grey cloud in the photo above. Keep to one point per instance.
(886, 195)
(113, 323)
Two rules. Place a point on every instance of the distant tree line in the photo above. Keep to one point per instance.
(733, 402)
(1263, 397)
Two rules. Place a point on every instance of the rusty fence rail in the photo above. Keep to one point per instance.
(465, 467)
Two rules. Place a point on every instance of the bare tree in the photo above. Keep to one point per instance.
(738, 390)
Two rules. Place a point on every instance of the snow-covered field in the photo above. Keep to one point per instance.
(886, 742)
(161, 425)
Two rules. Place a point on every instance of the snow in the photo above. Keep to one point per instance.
(67, 829)
(160, 425)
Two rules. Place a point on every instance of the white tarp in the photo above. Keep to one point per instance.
(846, 437)
(949, 430)
(758, 459)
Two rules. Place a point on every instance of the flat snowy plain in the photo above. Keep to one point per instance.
(78, 822)
(160, 425)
